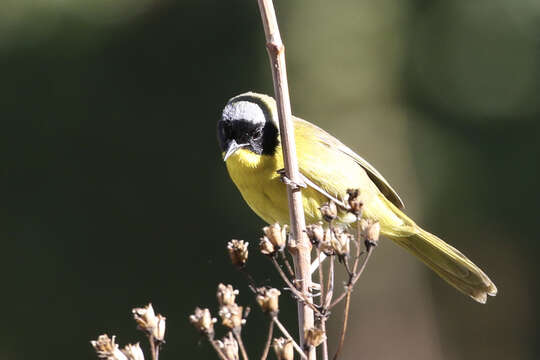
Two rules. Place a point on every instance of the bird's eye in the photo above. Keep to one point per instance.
(257, 134)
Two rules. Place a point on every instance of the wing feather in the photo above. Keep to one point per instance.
(330, 141)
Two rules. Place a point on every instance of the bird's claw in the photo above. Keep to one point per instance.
(292, 184)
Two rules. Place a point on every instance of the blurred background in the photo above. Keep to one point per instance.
(113, 191)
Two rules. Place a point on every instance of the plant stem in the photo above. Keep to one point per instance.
(216, 347)
(288, 336)
(238, 335)
(344, 327)
(302, 261)
(300, 296)
(268, 340)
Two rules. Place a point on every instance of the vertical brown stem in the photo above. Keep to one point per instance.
(302, 258)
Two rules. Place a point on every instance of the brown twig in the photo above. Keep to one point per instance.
(216, 347)
(330, 284)
(153, 347)
(268, 340)
(344, 327)
(300, 296)
(237, 332)
(302, 261)
(321, 303)
(288, 336)
(353, 278)
(287, 263)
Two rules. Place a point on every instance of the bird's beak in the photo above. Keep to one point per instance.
(233, 147)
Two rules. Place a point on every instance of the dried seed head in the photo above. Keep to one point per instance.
(268, 299)
(226, 295)
(238, 252)
(314, 336)
(229, 347)
(276, 235)
(326, 245)
(315, 233)
(283, 348)
(149, 322)
(106, 348)
(145, 317)
(133, 352)
(266, 246)
(329, 211)
(203, 321)
(159, 331)
(231, 316)
(355, 204)
(340, 243)
(370, 231)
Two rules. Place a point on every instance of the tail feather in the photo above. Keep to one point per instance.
(448, 262)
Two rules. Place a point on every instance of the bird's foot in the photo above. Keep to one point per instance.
(292, 184)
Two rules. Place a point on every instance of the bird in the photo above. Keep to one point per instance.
(249, 139)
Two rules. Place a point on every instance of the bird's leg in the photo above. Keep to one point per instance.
(293, 185)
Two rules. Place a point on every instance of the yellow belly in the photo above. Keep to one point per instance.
(261, 187)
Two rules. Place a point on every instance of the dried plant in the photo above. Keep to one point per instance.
(335, 242)
(148, 322)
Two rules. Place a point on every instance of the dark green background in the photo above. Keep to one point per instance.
(113, 192)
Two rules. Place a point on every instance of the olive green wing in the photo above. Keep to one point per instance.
(328, 140)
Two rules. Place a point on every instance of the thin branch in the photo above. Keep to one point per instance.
(300, 296)
(288, 336)
(354, 280)
(321, 277)
(153, 350)
(330, 284)
(237, 332)
(287, 263)
(216, 347)
(325, 341)
(322, 299)
(268, 340)
(276, 53)
(344, 327)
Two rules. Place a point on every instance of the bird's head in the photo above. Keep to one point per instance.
(249, 121)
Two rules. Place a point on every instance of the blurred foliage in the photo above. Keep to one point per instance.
(114, 192)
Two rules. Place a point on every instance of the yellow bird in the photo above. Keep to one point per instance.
(248, 135)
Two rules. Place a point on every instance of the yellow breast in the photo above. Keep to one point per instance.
(261, 187)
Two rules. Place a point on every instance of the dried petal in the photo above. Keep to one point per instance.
(314, 336)
(329, 211)
(276, 235)
(355, 204)
(133, 352)
(226, 294)
(283, 348)
(268, 299)
(231, 316)
(238, 252)
(229, 347)
(106, 348)
(266, 246)
(315, 233)
(203, 321)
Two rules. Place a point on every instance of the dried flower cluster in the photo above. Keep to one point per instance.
(238, 252)
(330, 239)
(148, 322)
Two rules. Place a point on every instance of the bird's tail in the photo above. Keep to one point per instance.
(449, 263)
